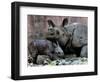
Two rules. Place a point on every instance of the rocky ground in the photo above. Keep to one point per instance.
(69, 60)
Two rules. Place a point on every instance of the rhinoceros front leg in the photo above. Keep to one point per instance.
(84, 51)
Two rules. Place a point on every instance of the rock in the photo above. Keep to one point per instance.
(53, 63)
(70, 61)
(62, 62)
(75, 62)
(43, 60)
(30, 64)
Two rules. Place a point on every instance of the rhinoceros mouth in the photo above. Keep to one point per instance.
(51, 33)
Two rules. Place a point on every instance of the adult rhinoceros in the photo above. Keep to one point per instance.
(71, 37)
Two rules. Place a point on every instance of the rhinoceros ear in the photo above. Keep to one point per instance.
(50, 23)
(65, 22)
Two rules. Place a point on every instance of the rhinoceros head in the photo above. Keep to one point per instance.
(58, 33)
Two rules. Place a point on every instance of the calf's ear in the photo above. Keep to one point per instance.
(50, 23)
(65, 22)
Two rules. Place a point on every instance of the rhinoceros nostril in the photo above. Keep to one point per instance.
(58, 52)
(57, 32)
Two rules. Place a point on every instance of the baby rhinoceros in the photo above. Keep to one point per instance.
(44, 47)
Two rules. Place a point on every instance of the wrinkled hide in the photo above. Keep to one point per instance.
(72, 38)
(44, 47)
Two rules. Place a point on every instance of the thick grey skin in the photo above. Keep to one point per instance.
(78, 35)
(75, 35)
(84, 51)
(47, 48)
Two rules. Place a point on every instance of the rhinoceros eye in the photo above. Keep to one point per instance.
(63, 34)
